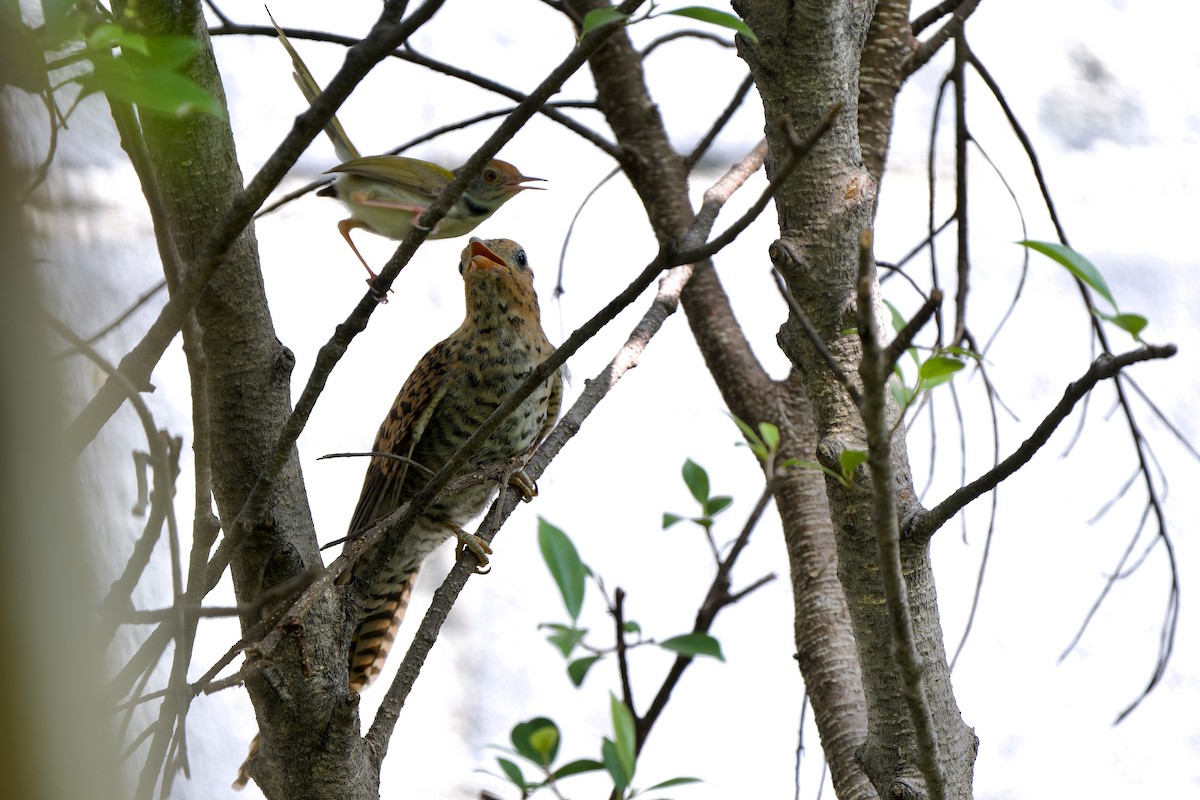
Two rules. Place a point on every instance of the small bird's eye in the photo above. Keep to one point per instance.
(462, 265)
(491, 174)
(521, 259)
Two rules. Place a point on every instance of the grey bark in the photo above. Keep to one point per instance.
(807, 60)
(309, 745)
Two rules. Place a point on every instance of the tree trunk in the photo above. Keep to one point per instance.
(806, 61)
(823, 634)
(309, 747)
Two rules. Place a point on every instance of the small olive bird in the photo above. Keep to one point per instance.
(387, 194)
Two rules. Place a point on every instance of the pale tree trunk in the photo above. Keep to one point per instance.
(806, 62)
(824, 639)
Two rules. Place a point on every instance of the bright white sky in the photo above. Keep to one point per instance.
(1120, 159)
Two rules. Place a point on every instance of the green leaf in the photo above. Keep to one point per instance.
(612, 763)
(694, 644)
(536, 740)
(626, 736)
(631, 626)
(770, 435)
(575, 768)
(108, 36)
(577, 670)
(598, 18)
(697, 480)
(938, 369)
(1076, 264)
(670, 519)
(672, 782)
(545, 741)
(962, 352)
(746, 430)
(565, 638)
(513, 772)
(850, 461)
(753, 440)
(902, 394)
(131, 78)
(716, 505)
(1133, 324)
(715, 17)
(898, 321)
(565, 565)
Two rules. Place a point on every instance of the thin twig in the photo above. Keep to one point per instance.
(618, 615)
(1105, 366)
(815, 339)
(874, 371)
(904, 338)
(407, 53)
(929, 48)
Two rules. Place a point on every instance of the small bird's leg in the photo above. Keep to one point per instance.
(478, 547)
(347, 225)
(344, 227)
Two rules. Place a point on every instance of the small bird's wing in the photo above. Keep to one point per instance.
(383, 486)
(408, 174)
(342, 145)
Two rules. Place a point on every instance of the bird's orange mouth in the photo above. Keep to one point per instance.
(482, 257)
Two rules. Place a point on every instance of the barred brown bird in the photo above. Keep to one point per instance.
(452, 390)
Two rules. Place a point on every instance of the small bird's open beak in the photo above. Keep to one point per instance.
(515, 183)
(481, 257)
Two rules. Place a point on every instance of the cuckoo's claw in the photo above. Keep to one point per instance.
(524, 484)
(478, 547)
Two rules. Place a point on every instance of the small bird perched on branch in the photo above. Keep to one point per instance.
(451, 391)
(387, 194)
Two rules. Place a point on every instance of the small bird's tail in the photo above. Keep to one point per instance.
(382, 615)
(342, 145)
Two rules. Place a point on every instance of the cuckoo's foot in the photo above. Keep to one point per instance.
(478, 547)
(524, 484)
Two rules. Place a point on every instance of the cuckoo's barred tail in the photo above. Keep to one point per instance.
(382, 615)
(243, 776)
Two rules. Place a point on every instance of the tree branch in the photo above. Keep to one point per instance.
(874, 371)
(1105, 366)
(139, 362)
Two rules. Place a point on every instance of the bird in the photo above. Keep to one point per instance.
(451, 391)
(448, 395)
(388, 194)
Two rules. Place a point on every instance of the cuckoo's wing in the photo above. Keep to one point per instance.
(383, 486)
